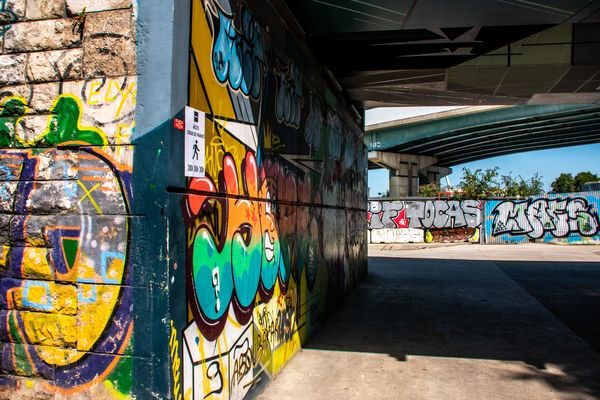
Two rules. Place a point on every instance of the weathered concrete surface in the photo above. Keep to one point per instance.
(460, 322)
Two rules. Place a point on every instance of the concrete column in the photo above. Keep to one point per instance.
(404, 170)
(399, 186)
(432, 174)
(404, 180)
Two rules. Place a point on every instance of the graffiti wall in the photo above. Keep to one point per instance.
(414, 221)
(66, 323)
(555, 218)
(275, 231)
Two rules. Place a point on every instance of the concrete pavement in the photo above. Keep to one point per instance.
(460, 322)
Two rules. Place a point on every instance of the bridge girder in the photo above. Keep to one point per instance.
(475, 136)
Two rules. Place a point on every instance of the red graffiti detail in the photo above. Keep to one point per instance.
(400, 220)
(195, 201)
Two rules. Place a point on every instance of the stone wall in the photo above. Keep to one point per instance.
(67, 103)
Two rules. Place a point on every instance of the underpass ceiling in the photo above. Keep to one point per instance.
(468, 52)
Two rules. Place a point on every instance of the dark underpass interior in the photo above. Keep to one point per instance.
(540, 313)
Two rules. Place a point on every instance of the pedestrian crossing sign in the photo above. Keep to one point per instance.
(194, 143)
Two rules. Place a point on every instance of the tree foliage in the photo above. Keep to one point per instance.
(481, 184)
(520, 187)
(564, 183)
(430, 190)
(583, 177)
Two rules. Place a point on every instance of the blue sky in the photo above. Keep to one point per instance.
(548, 163)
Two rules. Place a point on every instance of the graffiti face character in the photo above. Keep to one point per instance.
(271, 250)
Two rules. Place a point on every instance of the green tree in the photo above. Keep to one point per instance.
(510, 186)
(430, 190)
(480, 184)
(583, 177)
(564, 183)
(513, 187)
(534, 186)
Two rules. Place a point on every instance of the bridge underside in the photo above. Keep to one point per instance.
(537, 60)
(473, 136)
(437, 52)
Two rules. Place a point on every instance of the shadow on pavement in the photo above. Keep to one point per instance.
(545, 314)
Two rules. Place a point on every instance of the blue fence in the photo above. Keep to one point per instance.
(554, 218)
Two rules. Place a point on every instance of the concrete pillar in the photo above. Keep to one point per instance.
(404, 180)
(432, 174)
(407, 169)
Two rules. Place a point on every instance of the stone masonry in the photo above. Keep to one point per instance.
(67, 114)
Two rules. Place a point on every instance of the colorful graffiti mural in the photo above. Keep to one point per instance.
(567, 218)
(65, 284)
(7, 16)
(552, 218)
(437, 220)
(259, 274)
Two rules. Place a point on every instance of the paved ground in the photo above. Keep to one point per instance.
(460, 322)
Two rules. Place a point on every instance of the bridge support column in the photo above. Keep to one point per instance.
(407, 171)
(404, 180)
(433, 174)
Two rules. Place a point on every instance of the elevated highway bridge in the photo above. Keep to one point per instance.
(535, 65)
(422, 149)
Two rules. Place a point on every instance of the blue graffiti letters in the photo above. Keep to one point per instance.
(289, 100)
(238, 55)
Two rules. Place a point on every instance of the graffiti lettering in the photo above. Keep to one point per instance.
(242, 355)
(69, 271)
(277, 327)
(402, 235)
(387, 214)
(314, 123)
(175, 363)
(449, 235)
(256, 262)
(240, 255)
(289, 100)
(213, 373)
(404, 221)
(335, 136)
(425, 214)
(537, 217)
(444, 213)
(238, 54)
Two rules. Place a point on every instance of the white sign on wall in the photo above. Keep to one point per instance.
(194, 143)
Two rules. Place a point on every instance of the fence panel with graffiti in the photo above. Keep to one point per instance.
(415, 221)
(554, 218)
